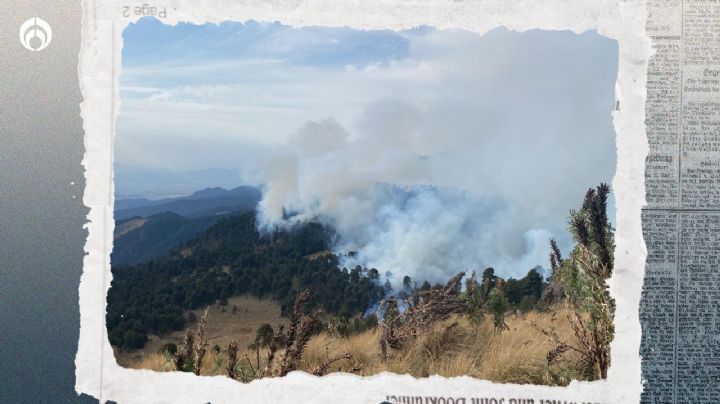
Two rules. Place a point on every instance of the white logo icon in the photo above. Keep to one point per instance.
(35, 34)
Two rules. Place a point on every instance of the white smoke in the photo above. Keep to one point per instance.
(443, 150)
(434, 181)
(411, 212)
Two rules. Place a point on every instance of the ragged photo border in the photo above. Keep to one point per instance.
(97, 372)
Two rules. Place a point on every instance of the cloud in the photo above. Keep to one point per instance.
(429, 152)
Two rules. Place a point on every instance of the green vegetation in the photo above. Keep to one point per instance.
(264, 335)
(515, 330)
(139, 240)
(582, 278)
(444, 329)
(231, 258)
(228, 259)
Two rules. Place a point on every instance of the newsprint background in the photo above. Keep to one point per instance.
(42, 254)
(679, 310)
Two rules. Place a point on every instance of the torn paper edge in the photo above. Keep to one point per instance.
(97, 372)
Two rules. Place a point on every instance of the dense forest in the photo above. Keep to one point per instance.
(232, 258)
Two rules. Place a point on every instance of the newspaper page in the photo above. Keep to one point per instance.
(374, 202)
(681, 222)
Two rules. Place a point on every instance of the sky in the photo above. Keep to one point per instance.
(425, 149)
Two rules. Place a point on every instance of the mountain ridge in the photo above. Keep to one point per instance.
(204, 202)
(148, 229)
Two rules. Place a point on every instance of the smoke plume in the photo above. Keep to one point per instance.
(410, 210)
(477, 167)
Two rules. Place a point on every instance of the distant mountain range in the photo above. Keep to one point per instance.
(207, 202)
(156, 183)
(148, 229)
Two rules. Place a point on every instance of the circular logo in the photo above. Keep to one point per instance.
(35, 34)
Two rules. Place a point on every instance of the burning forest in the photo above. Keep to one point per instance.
(531, 330)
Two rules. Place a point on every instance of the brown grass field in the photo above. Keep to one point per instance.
(453, 347)
(222, 327)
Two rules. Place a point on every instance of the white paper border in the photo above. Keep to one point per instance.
(97, 372)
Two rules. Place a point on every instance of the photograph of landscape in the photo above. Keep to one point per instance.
(328, 199)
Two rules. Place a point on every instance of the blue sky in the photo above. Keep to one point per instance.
(320, 115)
(154, 42)
(234, 87)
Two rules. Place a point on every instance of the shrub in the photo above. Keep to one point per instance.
(169, 349)
(583, 279)
(264, 335)
(498, 305)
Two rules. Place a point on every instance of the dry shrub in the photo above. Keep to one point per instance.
(200, 344)
(440, 342)
(436, 351)
(453, 347)
(286, 350)
(155, 361)
(519, 355)
(571, 354)
(322, 368)
(184, 358)
(424, 309)
(232, 350)
(363, 346)
(191, 355)
(296, 339)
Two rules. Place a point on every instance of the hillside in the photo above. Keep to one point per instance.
(148, 229)
(228, 259)
(478, 324)
(139, 240)
(239, 319)
(231, 258)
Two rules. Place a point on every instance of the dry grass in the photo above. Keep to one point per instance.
(129, 226)
(213, 364)
(319, 254)
(453, 347)
(156, 361)
(221, 329)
